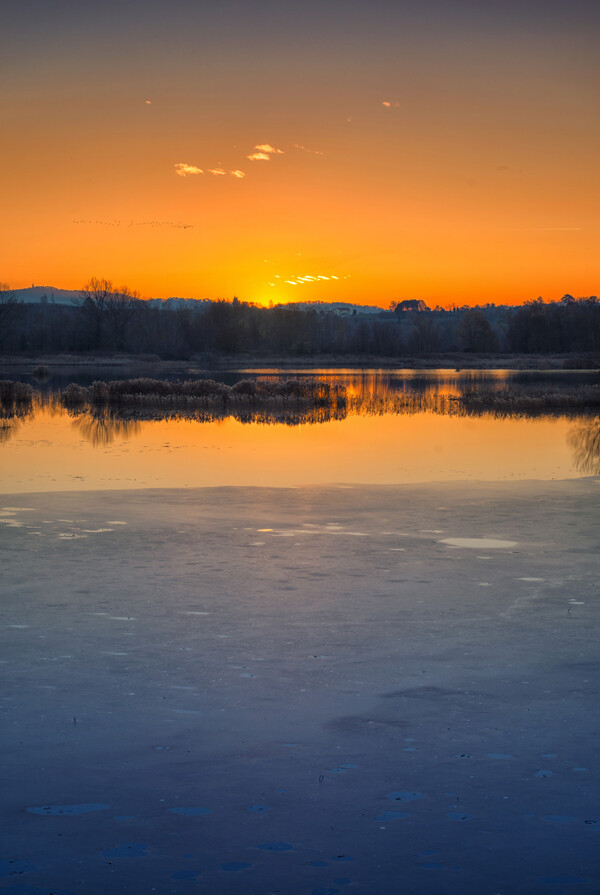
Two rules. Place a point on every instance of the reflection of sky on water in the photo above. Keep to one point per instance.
(397, 427)
(358, 381)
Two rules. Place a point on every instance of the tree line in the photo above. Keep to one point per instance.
(109, 319)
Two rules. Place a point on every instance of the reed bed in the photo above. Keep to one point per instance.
(15, 393)
(203, 393)
(514, 400)
(288, 401)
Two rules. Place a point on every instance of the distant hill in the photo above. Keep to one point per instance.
(37, 294)
(342, 308)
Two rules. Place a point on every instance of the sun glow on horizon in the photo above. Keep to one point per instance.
(427, 174)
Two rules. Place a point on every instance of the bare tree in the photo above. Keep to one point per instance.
(475, 332)
(8, 306)
(121, 309)
(108, 310)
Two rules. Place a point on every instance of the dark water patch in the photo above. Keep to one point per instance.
(258, 809)
(425, 692)
(342, 881)
(563, 880)
(124, 817)
(128, 850)
(276, 846)
(544, 773)
(458, 815)
(561, 819)
(15, 867)
(327, 891)
(392, 815)
(233, 866)
(342, 858)
(318, 864)
(430, 865)
(69, 810)
(24, 889)
(499, 756)
(405, 796)
(189, 875)
(192, 811)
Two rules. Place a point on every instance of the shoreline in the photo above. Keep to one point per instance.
(240, 362)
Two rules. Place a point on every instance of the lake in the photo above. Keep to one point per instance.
(378, 672)
(52, 449)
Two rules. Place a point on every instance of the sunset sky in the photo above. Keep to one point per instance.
(297, 151)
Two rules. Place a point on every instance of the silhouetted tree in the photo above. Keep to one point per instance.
(475, 332)
(108, 311)
(8, 308)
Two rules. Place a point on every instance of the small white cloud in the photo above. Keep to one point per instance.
(266, 147)
(263, 152)
(184, 170)
(148, 102)
(390, 105)
(218, 172)
(237, 173)
(306, 149)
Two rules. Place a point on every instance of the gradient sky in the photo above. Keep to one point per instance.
(447, 151)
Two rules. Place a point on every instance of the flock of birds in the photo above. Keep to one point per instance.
(175, 224)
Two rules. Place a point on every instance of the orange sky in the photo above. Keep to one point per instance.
(447, 156)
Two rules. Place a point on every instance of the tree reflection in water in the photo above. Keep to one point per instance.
(10, 421)
(102, 424)
(584, 441)
(7, 430)
(102, 429)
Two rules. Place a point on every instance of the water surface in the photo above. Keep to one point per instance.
(51, 448)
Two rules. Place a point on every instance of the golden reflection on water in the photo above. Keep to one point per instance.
(381, 434)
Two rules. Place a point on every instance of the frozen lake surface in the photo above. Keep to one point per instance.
(314, 690)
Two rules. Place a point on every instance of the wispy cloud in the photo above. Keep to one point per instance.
(307, 279)
(306, 149)
(266, 147)
(185, 170)
(263, 152)
(148, 102)
(390, 105)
